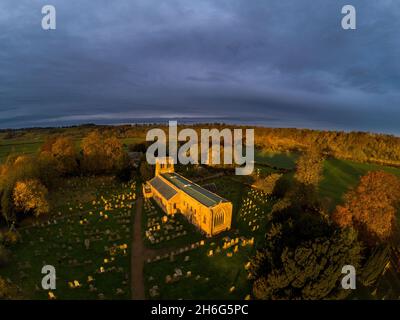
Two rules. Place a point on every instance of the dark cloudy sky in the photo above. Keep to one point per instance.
(279, 63)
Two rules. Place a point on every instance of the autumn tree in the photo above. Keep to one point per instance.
(30, 196)
(93, 153)
(48, 169)
(309, 168)
(16, 168)
(8, 290)
(267, 184)
(371, 207)
(62, 150)
(358, 146)
(102, 154)
(116, 156)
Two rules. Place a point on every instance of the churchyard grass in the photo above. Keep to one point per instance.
(214, 268)
(161, 231)
(87, 242)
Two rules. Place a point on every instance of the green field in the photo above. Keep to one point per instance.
(278, 160)
(341, 175)
(18, 147)
(203, 276)
(30, 144)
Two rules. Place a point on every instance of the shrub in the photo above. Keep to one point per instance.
(10, 238)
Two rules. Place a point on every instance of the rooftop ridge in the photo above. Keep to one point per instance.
(202, 195)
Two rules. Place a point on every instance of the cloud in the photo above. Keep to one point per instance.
(234, 59)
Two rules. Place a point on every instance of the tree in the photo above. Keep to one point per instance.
(139, 147)
(303, 255)
(374, 265)
(64, 151)
(8, 290)
(48, 171)
(311, 270)
(16, 168)
(30, 196)
(101, 155)
(371, 207)
(116, 157)
(93, 153)
(267, 185)
(146, 171)
(309, 168)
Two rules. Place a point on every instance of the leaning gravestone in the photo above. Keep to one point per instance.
(87, 244)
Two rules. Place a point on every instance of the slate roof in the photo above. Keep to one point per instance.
(163, 188)
(202, 195)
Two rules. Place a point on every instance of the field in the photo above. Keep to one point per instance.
(20, 147)
(338, 175)
(278, 160)
(87, 239)
(30, 143)
(341, 175)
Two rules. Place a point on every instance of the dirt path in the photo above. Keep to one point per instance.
(137, 255)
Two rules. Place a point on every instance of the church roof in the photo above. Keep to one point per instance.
(200, 194)
(163, 188)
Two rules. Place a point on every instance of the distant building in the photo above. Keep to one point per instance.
(174, 193)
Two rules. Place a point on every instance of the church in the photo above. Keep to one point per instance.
(174, 193)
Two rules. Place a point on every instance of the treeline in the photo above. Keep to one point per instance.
(357, 146)
(26, 179)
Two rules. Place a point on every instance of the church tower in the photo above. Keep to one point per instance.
(164, 165)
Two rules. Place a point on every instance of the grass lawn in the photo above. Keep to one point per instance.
(173, 233)
(263, 171)
(341, 175)
(18, 147)
(82, 240)
(279, 160)
(210, 277)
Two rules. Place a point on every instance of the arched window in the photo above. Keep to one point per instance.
(219, 218)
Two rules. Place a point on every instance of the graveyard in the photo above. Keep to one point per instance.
(162, 231)
(87, 239)
(212, 268)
